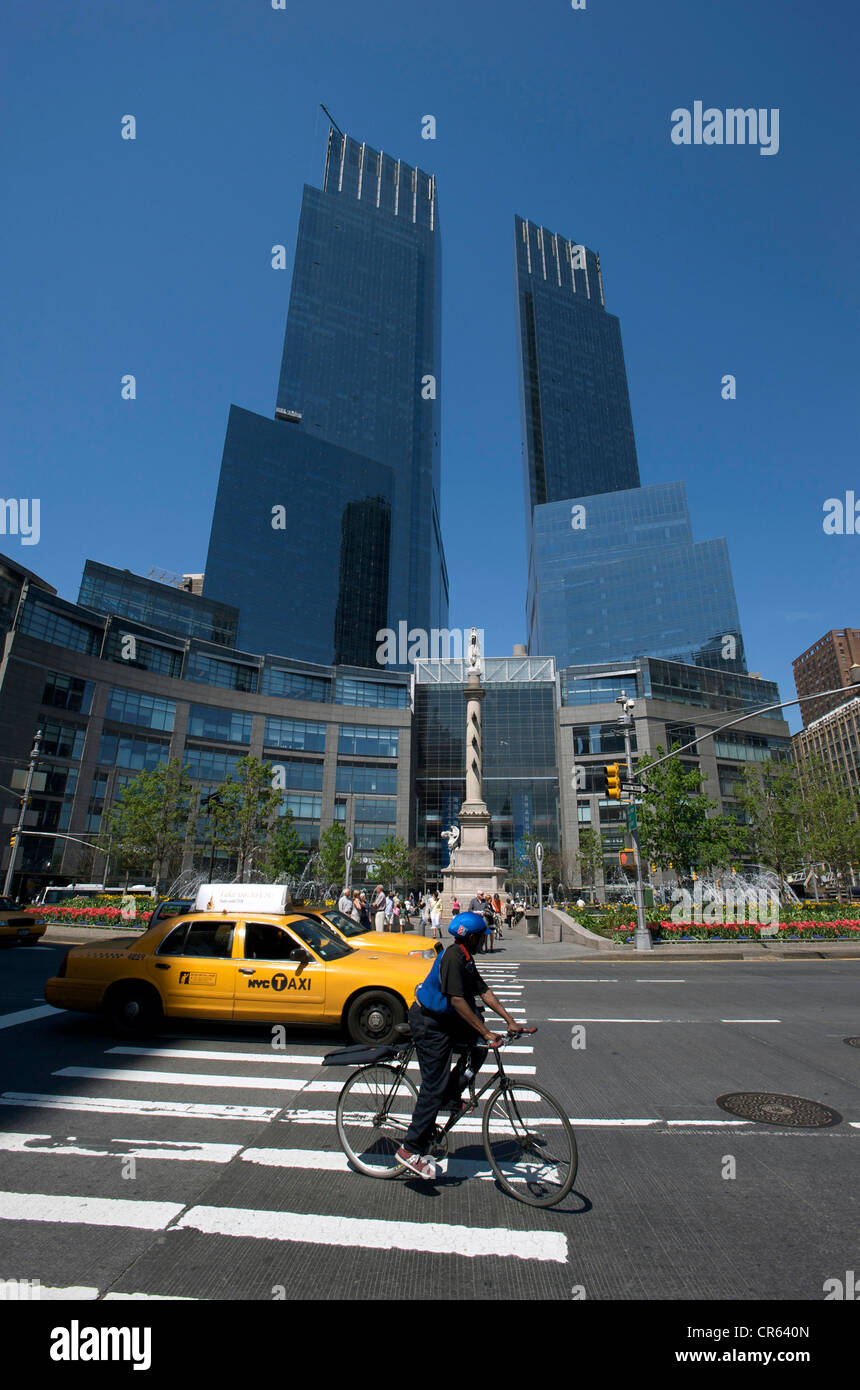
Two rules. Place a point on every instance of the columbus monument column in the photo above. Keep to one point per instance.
(472, 868)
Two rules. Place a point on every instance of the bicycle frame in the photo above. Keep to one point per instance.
(499, 1077)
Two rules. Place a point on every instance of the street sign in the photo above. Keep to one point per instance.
(348, 851)
(631, 817)
(636, 788)
(19, 780)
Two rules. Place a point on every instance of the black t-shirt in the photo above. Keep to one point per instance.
(458, 975)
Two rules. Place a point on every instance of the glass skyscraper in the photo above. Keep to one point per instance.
(614, 572)
(353, 451)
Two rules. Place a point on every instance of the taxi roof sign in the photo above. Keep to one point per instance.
(242, 897)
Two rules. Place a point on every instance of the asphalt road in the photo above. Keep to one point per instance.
(238, 1188)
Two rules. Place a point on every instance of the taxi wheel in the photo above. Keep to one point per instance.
(133, 1009)
(373, 1017)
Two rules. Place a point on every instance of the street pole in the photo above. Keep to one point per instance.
(347, 854)
(25, 801)
(642, 937)
(539, 858)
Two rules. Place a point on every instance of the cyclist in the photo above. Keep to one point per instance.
(444, 1016)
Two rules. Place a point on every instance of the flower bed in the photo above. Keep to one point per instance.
(672, 932)
(86, 915)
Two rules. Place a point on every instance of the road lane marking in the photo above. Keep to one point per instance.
(108, 1105)
(429, 1237)
(26, 1016)
(87, 1211)
(750, 1020)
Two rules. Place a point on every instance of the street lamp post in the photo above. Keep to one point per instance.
(347, 854)
(539, 858)
(25, 801)
(642, 937)
(213, 799)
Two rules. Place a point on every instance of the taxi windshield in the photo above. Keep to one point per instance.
(320, 938)
(346, 925)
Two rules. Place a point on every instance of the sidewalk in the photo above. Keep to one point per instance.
(519, 946)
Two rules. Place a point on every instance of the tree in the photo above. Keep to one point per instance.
(331, 856)
(673, 821)
(147, 822)
(392, 861)
(770, 796)
(249, 804)
(524, 862)
(830, 831)
(589, 855)
(286, 856)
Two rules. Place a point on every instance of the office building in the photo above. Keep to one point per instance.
(613, 570)
(826, 665)
(326, 524)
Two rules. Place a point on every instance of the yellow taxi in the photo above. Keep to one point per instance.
(401, 943)
(18, 925)
(242, 956)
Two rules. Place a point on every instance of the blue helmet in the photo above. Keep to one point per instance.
(467, 924)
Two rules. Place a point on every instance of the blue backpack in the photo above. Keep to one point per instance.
(429, 992)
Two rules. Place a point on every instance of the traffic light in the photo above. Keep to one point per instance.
(612, 777)
(12, 839)
(627, 858)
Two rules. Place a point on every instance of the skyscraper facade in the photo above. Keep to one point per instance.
(614, 572)
(352, 455)
(577, 426)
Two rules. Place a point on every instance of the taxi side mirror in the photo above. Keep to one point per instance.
(302, 955)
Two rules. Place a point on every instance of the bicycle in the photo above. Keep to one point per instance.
(532, 1154)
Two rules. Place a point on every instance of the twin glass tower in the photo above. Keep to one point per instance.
(326, 527)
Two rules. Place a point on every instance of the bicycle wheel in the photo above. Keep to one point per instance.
(373, 1114)
(530, 1144)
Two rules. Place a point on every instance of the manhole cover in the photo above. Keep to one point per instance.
(852, 1042)
(769, 1109)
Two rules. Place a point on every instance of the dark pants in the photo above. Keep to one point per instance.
(435, 1043)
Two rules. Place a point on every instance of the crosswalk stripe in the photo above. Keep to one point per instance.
(338, 1162)
(107, 1105)
(194, 1054)
(430, 1237)
(132, 1148)
(25, 1016)
(87, 1211)
(184, 1078)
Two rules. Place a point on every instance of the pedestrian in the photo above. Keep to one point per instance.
(389, 911)
(509, 912)
(344, 902)
(378, 908)
(396, 914)
(355, 910)
(455, 906)
(443, 1015)
(436, 916)
(364, 914)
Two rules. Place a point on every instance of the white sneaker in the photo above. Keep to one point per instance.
(421, 1167)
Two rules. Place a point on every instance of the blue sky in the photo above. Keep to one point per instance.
(153, 257)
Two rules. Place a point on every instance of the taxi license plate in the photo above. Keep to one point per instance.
(23, 931)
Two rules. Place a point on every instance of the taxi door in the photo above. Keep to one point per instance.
(193, 970)
(274, 983)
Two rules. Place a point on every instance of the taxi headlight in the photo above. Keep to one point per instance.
(425, 955)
